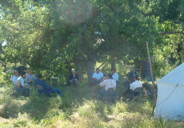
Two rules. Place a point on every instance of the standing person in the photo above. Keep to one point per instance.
(45, 88)
(15, 77)
(21, 87)
(115, 75)
(109, 88)
(73, 78)
(97, 76)
(30, 77)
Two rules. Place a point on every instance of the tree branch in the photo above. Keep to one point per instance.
(177, 32)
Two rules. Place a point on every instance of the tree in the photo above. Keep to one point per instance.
(57, 35)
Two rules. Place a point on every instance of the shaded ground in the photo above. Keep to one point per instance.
(78, 109)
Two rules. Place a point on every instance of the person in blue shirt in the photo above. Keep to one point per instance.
(97, 77)
(115, 75)
(44, 88)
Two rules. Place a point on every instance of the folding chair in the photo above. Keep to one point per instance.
(53, 78)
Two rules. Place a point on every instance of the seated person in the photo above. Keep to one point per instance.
(21, 69)
(15, 77)
(131, 75)
(136, 87)
(97, 76)
(21, 87)
(115, 75)
(73, 79)
(109, 88)
(45, 88)
(30, 77)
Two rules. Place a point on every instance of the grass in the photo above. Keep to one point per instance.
(79, 108)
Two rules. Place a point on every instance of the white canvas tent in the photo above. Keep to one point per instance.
(170, 95)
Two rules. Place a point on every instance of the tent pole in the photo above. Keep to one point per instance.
(150, 65)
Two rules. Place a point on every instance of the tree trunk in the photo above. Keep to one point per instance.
(179, 50)
(1, 48)
(113, 65)
(79, 71)
(145, 70)
(90, 70)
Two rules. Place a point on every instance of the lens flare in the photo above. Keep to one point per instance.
(74, 11)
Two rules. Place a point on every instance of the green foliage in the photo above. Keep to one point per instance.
(58, 35)
(3, 76)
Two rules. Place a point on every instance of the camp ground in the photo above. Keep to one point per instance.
(91, 63)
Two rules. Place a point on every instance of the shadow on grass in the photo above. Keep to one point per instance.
(39, 107)
(36, 107)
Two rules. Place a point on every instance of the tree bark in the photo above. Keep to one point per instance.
(145, 70)
(90, 70)
(113, 65)
(179, 50)
(79, 71)
(1, 48)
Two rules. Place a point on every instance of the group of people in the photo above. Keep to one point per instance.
(98, 76)
(22, 82)
(108, 83)
(134, 86)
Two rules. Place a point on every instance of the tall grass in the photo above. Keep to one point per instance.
(79, 108)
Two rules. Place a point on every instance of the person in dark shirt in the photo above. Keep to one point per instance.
(73, 78)
(44, 88)
(21, 69)
(132, 75)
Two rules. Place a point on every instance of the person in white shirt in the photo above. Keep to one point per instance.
(136, 87)
(115, 75)
(97, 76)
(22, 87)
(15, 77)
(30, 77)
(109, 87)
(135, 84)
